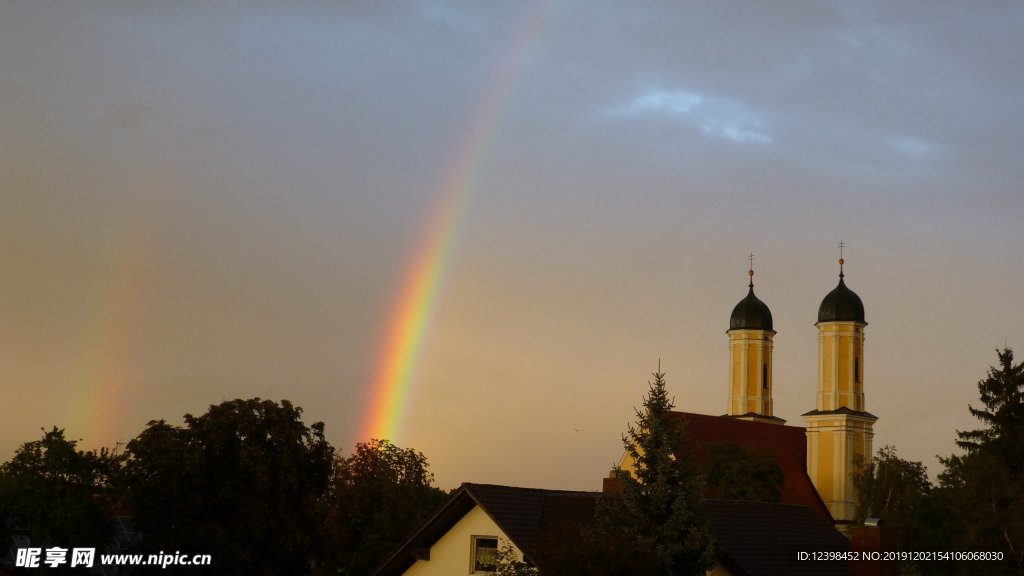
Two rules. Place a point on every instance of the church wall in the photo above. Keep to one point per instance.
(845, 371)
(736, 384)
(750, 358)
(825, 464)
(753, 369)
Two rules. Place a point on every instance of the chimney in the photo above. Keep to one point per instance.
(871, 541)
(612, 484)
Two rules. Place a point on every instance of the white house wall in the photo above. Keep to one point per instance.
(452, 554)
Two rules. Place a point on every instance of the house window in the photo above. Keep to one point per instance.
(485, 554)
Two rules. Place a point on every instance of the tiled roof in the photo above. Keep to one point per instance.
(763, 538)
(787, 443)
(520, 511)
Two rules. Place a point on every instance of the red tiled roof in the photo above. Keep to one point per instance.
(787, 443)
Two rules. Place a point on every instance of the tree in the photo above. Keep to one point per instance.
(378, 495)
(510, 564)
(1002, 394)
(890, 487)
(736, 472)
(56, 491)
(899, 491)
(984, 487)
(244, 483)
(657, 514)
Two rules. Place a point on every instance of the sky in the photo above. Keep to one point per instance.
(476, 228)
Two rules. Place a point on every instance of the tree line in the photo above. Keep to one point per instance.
(977, 504)
(248, 482)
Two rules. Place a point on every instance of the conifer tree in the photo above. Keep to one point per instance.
(657, 513)
(984, 488)
(1002, 394)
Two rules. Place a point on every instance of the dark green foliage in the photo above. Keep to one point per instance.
(737, 472)
(891, 488)
(248, 483)
(899, 491)
(509, 564)
(244, 482)
(655, 520)
(1002, 394)
(378, 496)
(984, 487)
(985, 509)
(56, 491)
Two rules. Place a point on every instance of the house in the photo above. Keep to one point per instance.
(462, 537)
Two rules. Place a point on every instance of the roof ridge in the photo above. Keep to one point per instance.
(525, 488)
(759, 502)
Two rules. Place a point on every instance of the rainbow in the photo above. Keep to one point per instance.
(401, 347)
(101, 372)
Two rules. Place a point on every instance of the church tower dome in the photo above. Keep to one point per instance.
(841, 304)
(751, 313)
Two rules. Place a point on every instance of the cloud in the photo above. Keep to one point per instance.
(662, 102)
(735, 130)
(912, 147)
(715, 118)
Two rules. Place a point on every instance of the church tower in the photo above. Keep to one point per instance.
(750, 359)
(839, 430)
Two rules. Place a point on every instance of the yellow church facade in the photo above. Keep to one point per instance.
(839, 429)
